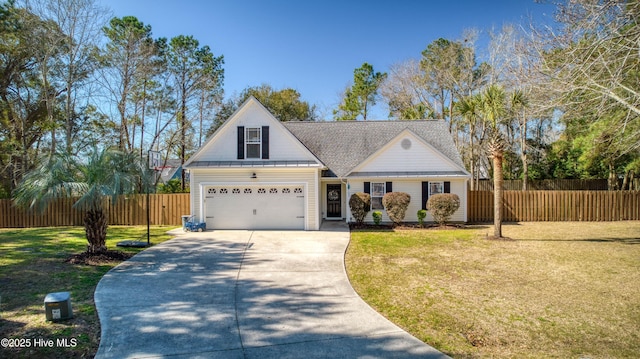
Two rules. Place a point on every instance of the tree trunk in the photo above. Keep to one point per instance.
(95, 226)
(525, 172)
(613, 179)
(142, 120)
(625, 181)
(497, 194)
(525, 165)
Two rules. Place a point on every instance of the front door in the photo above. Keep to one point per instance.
(334, 203)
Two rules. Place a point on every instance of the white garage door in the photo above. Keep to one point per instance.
(254, 207)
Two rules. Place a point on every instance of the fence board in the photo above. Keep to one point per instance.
(549, 185)
(166, 209)
(556, 206)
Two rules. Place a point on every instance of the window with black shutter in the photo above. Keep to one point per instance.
(240, 142)
(265, 142)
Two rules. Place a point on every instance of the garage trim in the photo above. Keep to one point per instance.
(302, 184)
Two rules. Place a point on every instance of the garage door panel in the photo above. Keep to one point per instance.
(254, 207)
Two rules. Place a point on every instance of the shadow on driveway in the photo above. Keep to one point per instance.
(244, 294)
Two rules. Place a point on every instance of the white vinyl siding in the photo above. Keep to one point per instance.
(417, 156)
(413, 187)
(202, 177)
(283, 146)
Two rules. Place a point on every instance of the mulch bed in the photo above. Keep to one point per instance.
(92, 259)
(405, 226)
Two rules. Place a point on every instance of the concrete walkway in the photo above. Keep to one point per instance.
(244, 294)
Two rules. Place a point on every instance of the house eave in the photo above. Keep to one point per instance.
(254, 164)
(412, 174)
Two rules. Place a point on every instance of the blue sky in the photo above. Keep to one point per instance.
(314, 46)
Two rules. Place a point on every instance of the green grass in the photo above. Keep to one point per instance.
(32, 264)
(564, 290)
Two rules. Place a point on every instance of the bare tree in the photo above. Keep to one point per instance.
(81, 22)
(405, 92)
(591, 63)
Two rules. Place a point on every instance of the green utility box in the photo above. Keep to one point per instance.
(57, 306)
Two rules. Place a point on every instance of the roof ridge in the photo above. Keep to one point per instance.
(363, 122)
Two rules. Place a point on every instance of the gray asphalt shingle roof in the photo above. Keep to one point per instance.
(342, 145)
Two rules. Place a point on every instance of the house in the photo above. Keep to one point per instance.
(256, 172)
(172, 169)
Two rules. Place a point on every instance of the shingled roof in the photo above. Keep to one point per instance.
(342, 145)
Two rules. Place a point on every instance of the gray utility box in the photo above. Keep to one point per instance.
(57, 306)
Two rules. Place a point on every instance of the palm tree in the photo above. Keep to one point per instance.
(105, 172)
(494, 109)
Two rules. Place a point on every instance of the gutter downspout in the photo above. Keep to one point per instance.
(348, 210)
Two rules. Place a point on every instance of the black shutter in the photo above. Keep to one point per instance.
(367, 187)
(447, 187)
(425, 194)
(265, 142)
(240, 142)
(388, 187)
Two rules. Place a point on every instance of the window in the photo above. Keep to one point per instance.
(377, 192)
(435, 188)
(253, 142)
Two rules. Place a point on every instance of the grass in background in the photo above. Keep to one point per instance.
(556, 290)
(32, 264)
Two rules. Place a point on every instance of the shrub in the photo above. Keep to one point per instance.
(396, 204)
(377, 217)
(172, 186)
(443, 206)
(359, 203)
(422, 214)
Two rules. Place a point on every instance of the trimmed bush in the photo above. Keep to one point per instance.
(377, 217)
(443, 206)
(359, 203)
(396, 204)
(422, 214)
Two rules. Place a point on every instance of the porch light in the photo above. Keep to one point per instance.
(253, 175)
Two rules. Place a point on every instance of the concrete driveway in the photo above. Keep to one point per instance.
(244, 294)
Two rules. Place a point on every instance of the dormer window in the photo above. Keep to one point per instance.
(253, 142)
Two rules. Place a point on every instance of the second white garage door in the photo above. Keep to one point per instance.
(254, 207)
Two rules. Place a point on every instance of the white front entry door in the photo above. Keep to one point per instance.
(262, 206)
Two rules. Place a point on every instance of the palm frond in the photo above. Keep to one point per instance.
(104, 172)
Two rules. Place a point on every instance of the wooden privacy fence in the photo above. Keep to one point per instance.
(519, 206)
(523, 206)
(548, 185)
(166, 209)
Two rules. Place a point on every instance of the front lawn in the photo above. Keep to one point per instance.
(32, 264)
(567, 290)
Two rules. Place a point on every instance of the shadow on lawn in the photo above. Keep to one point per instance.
(595, 240)
(191, 297)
